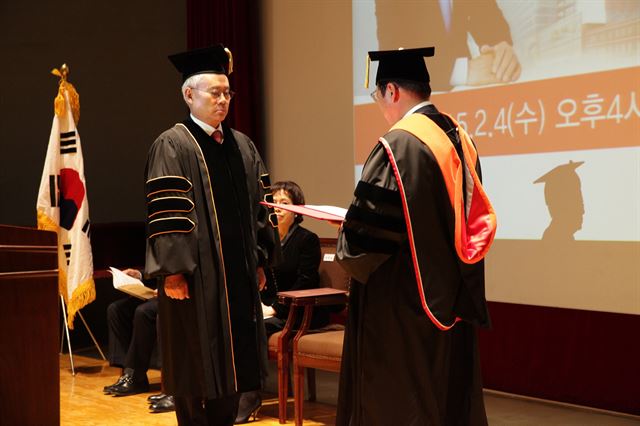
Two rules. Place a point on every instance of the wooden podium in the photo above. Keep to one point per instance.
(29, 321)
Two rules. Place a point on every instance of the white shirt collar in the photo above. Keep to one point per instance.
(417, 107)
(206, 127)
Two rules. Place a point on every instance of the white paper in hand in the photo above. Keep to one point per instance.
(131, 286)
(334, 210)
(329, 213)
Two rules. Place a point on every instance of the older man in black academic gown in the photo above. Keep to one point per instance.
(208, 238)
(413, 240)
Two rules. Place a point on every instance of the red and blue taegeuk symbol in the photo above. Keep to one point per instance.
(71, 196)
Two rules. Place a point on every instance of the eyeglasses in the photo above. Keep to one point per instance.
(215, 94)
(374, 95)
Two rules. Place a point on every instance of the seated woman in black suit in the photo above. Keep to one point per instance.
(298, 271)
(301, 259)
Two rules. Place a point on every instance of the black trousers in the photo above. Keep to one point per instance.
(212, 412)
(132, 332)
(273, 325)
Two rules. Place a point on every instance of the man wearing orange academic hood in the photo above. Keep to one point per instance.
(414, 240)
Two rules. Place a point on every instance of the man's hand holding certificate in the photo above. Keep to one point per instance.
(130, 285)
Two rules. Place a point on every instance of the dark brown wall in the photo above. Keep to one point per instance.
(129, 93)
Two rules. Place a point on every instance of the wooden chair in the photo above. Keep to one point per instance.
(316, 349)
(279, 349)
(334, 283)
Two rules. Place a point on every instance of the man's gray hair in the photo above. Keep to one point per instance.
(191, 82)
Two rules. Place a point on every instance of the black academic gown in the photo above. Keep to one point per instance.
(205, 221)
(399, 365)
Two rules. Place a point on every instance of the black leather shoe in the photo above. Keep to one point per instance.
(163, 405)
(155, 398)
(248, 407)
(131, 386)
(108, 389)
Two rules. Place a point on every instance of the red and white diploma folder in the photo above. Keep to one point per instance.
(330, 213)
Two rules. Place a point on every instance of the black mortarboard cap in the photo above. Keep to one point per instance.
(215, 59)
(401, 64)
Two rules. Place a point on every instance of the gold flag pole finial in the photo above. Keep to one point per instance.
(74, 98)
(63, 72)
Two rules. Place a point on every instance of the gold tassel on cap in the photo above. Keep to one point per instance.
(74, 98)
(366, 73)
(230, 59)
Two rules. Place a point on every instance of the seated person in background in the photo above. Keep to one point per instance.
(301, 259)
(132, 337)
(298, 271)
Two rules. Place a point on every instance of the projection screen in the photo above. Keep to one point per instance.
(559, 146)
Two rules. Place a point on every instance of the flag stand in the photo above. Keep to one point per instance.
(65, 332)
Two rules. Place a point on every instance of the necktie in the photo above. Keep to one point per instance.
(217, 136)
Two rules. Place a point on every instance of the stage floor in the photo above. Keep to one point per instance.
(82, 403)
